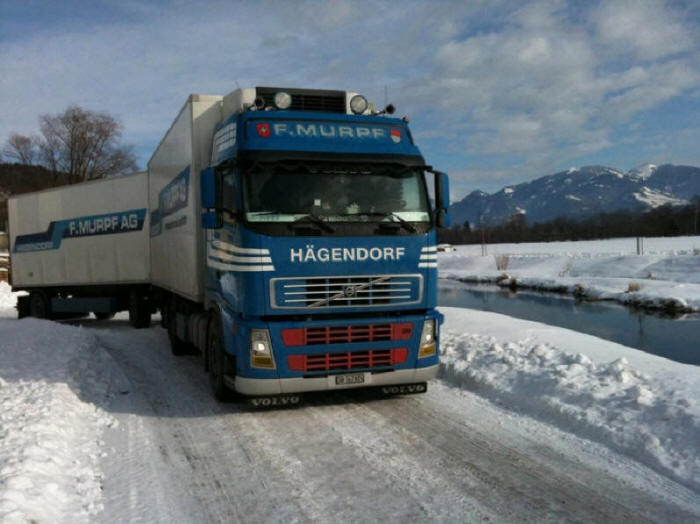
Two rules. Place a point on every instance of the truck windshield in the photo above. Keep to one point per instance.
(277, 192)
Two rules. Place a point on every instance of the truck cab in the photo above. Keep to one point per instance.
(320, 246)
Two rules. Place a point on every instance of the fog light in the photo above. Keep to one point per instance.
(428, 338)
(261, 349)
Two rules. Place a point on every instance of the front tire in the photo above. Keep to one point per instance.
(217, 361)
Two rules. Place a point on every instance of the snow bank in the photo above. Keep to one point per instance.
(638, 404)
(8, 300)
(51, 376)
(668, 280)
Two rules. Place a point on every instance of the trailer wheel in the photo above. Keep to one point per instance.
(217, 364)
(139, 310)
(23, 306)
(39, 306)
(103, 315)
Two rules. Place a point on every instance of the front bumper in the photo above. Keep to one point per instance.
(267, 386)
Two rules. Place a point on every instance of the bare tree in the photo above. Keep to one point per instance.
(21, 148)
(84, 145)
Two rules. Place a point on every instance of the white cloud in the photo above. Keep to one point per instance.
(540, 84)
(646, 29)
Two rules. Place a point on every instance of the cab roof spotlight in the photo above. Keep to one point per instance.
(358, 104)
(283, 100)
(389, 109)
(259, 103)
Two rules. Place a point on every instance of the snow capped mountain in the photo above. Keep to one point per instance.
(577, 193)
(644, 171)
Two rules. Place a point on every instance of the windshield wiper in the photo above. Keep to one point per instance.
(385, 214)
(310, 217)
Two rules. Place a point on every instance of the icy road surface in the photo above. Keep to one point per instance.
(179, 456)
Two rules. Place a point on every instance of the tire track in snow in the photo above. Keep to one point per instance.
(394, 451)
(209, 462)
(534, 478)
(412, 458)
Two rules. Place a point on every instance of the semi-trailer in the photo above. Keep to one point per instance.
(83, 248)
(287, 234)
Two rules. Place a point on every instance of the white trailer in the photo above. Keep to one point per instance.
(82, 248)
(177, 239)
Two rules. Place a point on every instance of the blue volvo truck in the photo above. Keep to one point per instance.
(306, 216)
(290, 238)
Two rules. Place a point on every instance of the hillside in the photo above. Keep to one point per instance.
(579, 193)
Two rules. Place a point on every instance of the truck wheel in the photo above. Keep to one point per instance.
(103, 315)
(23, 306)
(39, 305)
(139, 310)
(217, 366)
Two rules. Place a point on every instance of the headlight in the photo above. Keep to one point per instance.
(261, 349)
(428, 339)
(358, 104)
(283, 100)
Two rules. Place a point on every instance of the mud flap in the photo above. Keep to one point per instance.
(405, 389)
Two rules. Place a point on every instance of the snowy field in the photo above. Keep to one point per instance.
(527, 423)
(609, 247)
(666, 276)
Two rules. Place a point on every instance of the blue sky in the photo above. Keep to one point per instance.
(498, 92)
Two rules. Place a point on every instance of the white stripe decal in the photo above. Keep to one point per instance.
(233, 267)
(428, 264)
(239, 250)
(428, 257)
(224, 255)
(429, 249)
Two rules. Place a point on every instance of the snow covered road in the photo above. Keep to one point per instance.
(176, 455)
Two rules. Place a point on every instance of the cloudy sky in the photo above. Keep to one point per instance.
(498, 92)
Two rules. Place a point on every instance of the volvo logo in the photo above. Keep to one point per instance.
(349, 291)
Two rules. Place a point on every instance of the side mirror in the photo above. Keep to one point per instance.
(211, 216)
(442, 199)
(207, 185)
(212, 220)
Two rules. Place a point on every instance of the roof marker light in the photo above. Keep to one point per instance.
(358, 104)
(283, 100)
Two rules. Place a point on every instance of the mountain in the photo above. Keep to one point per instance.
(578, 193)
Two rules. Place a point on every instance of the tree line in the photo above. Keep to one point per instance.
(77, 145)
(666, 220)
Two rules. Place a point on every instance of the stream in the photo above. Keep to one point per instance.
(675, 338)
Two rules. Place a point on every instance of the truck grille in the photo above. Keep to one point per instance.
(306, 99)
(343, 292)
(309, 336)
(347, 360)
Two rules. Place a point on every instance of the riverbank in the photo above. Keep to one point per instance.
(666, 278)
(636, 403)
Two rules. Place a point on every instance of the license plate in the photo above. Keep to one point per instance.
(355, 378)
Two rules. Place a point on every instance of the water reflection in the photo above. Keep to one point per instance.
(676, 338)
